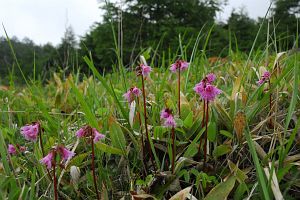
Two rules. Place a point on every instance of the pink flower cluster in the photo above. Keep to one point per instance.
(13, 150)
(87, 131)
(61, 150)
(206, 90)
(131, 94)
(146, 70)
(166, 115)
(265, 77)
(30, 131)
(179, 64)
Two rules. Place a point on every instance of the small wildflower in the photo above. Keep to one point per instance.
(97, 136)
(211, 78)
(47, 160)
(136, 91)
(11, 149)
(146, 70)
(206, 90)
(179, 64)
(131, 94)
(87, 131)
(30, 132)
(80, 133)
(265, 77)
(166, 115)
(65, 153)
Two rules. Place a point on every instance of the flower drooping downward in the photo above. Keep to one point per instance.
(30, 132)
(166, 115)
(47, 160)
(131, 94)
(206, 90)
(11, 149)
(61, 150)
(87, 131)
(265, 77)
(146, 70)
(179, 65)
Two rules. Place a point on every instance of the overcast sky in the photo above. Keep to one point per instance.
(45, 20)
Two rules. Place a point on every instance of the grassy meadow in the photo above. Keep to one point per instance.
(252, 130)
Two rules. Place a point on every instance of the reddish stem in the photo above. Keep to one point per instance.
(54, 177)
(142, 136)
(179, 92)
(145, 120)
(173, 149)
(93, 168)
(202, 125)
(205, 136)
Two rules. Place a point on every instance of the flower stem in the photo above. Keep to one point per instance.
(202, 125)
(173, 149)
(179, 92)
(142, 137)
(205, 135)
(93, 168)
(54, 177)
(146, 126)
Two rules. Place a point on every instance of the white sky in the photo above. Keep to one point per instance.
(45, 20)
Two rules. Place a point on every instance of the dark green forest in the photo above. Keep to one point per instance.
(155, 27)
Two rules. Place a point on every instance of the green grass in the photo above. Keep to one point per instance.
(234, 167)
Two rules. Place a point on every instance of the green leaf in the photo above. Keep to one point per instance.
(117, 137)
(222, 190)
(108, 149)
(221, 150)
(212, 131)
(188, 122)
(226, 133)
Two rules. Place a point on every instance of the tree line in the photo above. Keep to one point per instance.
(157, 27)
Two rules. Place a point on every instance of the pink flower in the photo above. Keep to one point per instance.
(65, 153)
(12, 149)
(88, 131)
(97, 136)
(30, 132)
(210, 77)
(210, 92)
(136, 91)
(206, 90)
(170, 122)
(128, 96)
(265, 77)
(165, 113)
(145, 70)
(47, 160)
(80, 133)
(22, 148)
(179, 64)
(131, 93)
